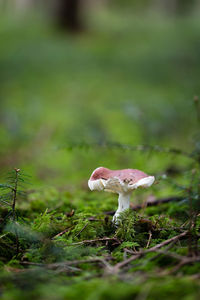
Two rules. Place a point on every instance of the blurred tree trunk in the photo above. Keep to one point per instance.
(183, 7)
(178, 7)
(69, 15)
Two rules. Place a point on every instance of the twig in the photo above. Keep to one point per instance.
(185, 260)
(81, 230)
(153, 249)
(150, 203)
(166, 242)
(66, 230)
(55, 266)
(60, 267)
(166, 249)
(172, 254)
(130, 251)
(149, 239)
(105, 239)
(61, 233)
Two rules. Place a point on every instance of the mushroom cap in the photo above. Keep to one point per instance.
(119, 181)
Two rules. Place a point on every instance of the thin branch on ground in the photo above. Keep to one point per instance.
(82, 229)
(171, 254)
(186, 260)
(149, 239)
(105, 239)
(171, 245)
(61, 233)
(142, 253)
(68, 264)
(150, 203)
(166, 242)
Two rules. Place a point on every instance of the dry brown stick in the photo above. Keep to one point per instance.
(96, 240)
(67, 263)
(152, 249)
(82, 229)
(131, 251)
(185, 260)
(166, 249)
(166, 242)
(150, 203)
(172, 254)
(61, 233)
(149, 239)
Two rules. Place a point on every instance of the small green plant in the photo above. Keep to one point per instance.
(11, 192)
(126, 230)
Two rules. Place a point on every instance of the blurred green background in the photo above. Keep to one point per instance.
(126, 74)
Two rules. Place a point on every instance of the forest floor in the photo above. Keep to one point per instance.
(73, 250)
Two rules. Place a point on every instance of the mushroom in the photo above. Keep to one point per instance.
(122, 182)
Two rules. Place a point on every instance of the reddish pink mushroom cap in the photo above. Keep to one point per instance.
(131, 175)
(119, 181)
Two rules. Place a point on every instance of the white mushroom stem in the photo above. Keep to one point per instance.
(123, 204)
